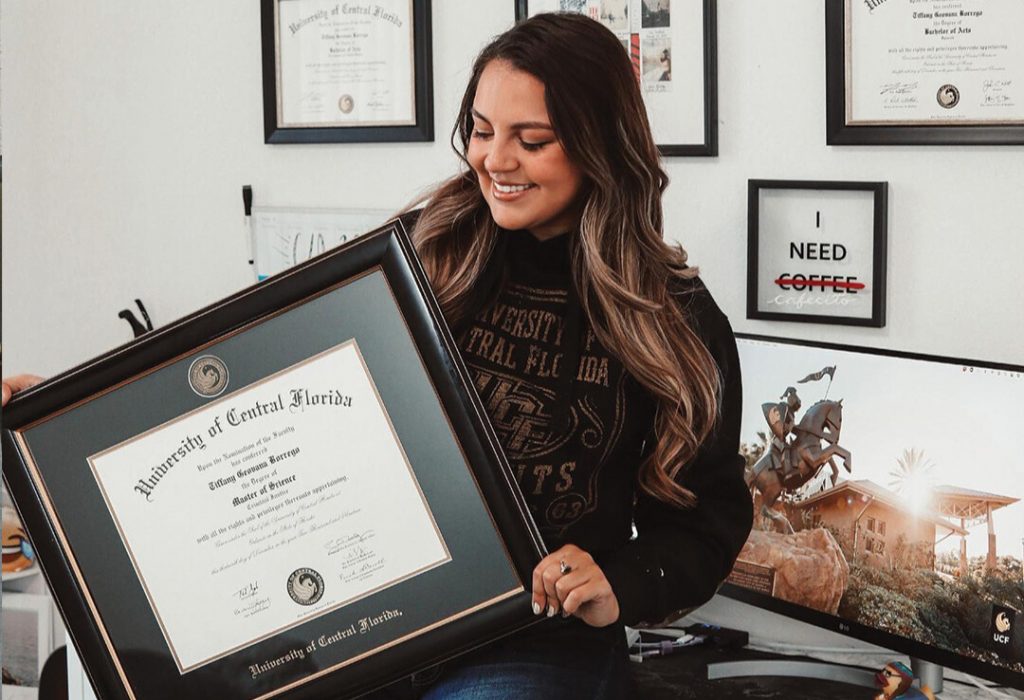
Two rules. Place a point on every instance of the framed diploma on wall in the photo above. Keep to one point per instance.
(673, 47)
(343, 71)
(925, 72)
(816, 251)
(293, 492)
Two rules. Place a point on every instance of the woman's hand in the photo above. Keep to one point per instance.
(569, 581)
(18, 383)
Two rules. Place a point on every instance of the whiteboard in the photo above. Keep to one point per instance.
(286, 236)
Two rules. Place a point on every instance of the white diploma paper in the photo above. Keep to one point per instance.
(345, 63)
(934, 62)
(269, 506)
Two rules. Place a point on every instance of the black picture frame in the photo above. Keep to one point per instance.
(839, 133)
(708, 146)
(481, 593)
(422, 130)
(878, 234)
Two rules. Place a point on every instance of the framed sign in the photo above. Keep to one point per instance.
(816, 251)
(337, 71)
(673, 46)
(926, 72)
(292, 492)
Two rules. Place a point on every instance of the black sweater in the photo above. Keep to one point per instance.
(573, 423)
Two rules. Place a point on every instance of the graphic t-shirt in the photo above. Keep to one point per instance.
(576, 425)
(572, 443)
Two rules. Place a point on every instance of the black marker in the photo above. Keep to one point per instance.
(247, 201)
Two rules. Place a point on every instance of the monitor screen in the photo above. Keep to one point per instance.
(889, 499)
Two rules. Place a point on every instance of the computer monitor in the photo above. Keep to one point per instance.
(888, 493)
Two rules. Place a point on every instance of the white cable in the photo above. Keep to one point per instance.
(783, 647)
(809, 651)
(669, 632)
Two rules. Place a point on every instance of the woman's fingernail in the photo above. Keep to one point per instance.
(551, 611)
(536, 608)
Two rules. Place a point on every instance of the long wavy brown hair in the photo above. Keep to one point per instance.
(622, 268)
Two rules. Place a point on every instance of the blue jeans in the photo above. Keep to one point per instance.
(559, 660)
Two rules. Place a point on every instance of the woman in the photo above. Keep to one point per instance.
(606, 368)
(608, 372)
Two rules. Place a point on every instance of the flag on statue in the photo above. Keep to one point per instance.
(815, 376)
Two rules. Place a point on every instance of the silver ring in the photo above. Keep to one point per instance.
(563, 567)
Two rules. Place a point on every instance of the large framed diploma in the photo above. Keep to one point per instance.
(673, 47)
(925, 71)
(293, 492)
(347, 71)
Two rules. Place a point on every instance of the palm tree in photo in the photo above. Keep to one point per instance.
(913, 479)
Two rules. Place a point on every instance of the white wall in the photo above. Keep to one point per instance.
(130, 127)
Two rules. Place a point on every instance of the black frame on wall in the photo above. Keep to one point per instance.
(422, 130)
(708, 147)
(838, 133)
(879, 256)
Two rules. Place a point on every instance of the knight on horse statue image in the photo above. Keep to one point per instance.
(795, 453)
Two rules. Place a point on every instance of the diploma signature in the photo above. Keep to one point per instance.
(254, 607)
(995, 85)
(897, 88)
(362, 567)
(248, 591)
(357, 553)
(348, 542)
(996, 92)
(359, 560)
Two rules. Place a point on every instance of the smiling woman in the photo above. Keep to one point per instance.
(525, 176)
(608, 372)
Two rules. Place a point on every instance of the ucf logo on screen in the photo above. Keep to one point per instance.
(1001, 630)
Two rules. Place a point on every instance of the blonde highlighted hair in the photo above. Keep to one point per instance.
(623, 270)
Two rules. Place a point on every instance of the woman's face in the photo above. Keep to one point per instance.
(525, 176)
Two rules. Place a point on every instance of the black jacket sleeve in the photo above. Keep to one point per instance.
(680, 556)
